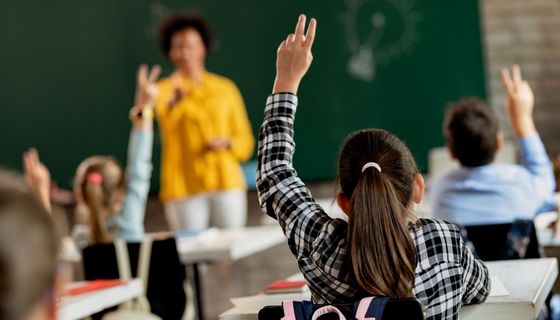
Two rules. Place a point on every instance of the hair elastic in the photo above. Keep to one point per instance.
(371, 164)
(95, 178)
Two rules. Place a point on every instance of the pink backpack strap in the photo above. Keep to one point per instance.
(327, 309)
(363, 309)
(289, 312)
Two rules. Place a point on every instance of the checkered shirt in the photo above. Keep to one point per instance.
(447, 274)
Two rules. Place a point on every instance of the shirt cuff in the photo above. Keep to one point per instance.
(531, 144)
(281, 105)
(549, 204)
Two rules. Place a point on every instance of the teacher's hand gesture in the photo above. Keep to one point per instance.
(294, 57)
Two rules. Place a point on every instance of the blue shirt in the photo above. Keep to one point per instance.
(130, 221)
(497, 192)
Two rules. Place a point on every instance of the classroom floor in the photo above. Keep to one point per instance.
(248, 276)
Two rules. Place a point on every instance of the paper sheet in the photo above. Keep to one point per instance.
(255, 303)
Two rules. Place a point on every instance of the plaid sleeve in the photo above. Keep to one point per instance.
(476, 279)
(317, 241)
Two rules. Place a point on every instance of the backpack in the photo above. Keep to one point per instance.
(369, 308)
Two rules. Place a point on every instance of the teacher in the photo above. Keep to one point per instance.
(205, 133)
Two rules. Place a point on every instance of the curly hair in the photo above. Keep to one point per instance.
(180, 21)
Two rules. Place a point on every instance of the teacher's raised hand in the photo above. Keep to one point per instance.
(294, 57)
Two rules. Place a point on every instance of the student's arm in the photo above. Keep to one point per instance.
(282, 194)
(519, 106)
(38, 177)
(476, 279)
(314, 238)
(130, 222)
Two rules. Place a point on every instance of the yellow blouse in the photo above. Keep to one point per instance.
(211, 109)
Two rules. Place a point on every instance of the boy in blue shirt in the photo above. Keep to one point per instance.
(483, 192)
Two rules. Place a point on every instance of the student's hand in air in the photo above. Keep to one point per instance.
(146, 89)
(520, 102)
(38, 177)
(294, 57)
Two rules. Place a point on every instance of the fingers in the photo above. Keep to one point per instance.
(300, 36)
(154, 73)
(290, 39)
(142, 74)
(508, 83)
(31, 160)
(300, 26)
(310, 36)
(516, 71)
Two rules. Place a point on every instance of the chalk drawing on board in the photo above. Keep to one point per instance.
(378, 32)
(158, 12)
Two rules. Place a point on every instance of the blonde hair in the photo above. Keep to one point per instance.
(382, 253)
(98, 182)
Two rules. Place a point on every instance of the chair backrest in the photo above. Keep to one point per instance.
(165, 290)
(395, 309)
(494, 241)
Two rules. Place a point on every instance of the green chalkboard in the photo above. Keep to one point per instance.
(67, 71)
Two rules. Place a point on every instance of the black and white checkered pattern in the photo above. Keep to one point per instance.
(447, 274)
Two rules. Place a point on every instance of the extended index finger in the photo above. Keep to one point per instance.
(516, 71)
(154, 73)
(300, 26)
(310, 36)
(142, 74)
(508, 83)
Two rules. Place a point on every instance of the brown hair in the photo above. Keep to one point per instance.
(382, 252)
(28, 249)
(470, 128)
(99, 179)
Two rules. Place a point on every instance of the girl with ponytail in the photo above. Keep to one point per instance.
(383, 249)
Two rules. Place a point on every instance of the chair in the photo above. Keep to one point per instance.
(501, 241)
(164, 291)
(395, 309)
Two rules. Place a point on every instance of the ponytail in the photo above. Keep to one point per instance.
(101, 180)
(382, 251)
(98, 212)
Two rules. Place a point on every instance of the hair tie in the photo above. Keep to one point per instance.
(371, 164)
(95, 178)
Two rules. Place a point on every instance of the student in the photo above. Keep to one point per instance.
(205, 133)
(483, 192)
(28, 251)
(115, 202)
(383, 249)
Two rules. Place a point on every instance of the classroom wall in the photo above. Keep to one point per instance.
(525, 32)
(67, 71)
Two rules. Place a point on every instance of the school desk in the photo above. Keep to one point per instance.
(84, 305)
(527, 281)
(225, 245)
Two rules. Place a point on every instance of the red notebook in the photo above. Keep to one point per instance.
(91, 286)
(286, 286)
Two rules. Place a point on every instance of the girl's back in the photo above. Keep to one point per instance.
(383, 249)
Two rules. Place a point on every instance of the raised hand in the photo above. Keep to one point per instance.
(294, 57)
(520, 102)
(38, 177)
(146, 90)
